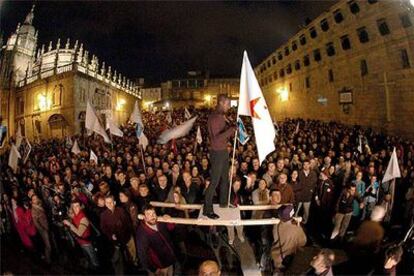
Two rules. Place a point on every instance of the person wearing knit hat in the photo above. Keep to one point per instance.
(288, 237)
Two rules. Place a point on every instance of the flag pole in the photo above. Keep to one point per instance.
(143, 160)
(195, 147)
(232, 164)
(391, 203)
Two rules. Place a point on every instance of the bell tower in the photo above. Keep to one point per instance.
(18, 53)
(16, 60)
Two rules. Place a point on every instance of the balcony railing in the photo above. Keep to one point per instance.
(79, 68)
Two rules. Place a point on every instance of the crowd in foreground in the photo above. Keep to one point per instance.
(327, 173)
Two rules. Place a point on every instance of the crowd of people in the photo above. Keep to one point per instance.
(327, 173)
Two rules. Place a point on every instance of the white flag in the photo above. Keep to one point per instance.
(143, 141)
(177, 132)
(113, 128)
(136, 115)
(297, 129)
(276, 127)
(198, 136)
(393, 169)
(168, 118)
(14, 158)
(19, 136)
(69, 142)
(27, 149)
(360, 145)
(253, 104)
(93, 157)
(75, 149)
(92, 122)
(187, 113)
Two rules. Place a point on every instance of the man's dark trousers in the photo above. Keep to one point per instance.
(219, 176)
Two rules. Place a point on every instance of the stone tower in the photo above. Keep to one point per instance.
(16, 59)
(18, 53)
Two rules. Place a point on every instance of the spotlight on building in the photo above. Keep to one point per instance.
(120, 104)
(284, 94)
(43, 102)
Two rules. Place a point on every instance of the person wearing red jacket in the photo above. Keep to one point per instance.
(81, 227)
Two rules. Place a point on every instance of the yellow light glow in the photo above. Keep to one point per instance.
(43, 102)
(120, 104)
(207, 98)
(147, 104)
(284, 94)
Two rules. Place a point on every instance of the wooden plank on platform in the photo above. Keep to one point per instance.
(218, 222)
(199, 206)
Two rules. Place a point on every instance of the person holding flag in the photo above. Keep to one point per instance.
(219, 132)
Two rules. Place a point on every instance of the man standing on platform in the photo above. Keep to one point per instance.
(219, 133)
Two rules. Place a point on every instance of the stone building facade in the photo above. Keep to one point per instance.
(354, 64)
(198, 90)
(150, 95)
(46, 90)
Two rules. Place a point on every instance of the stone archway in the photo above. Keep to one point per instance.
(57, 125)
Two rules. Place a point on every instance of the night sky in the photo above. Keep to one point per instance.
(164, 40)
